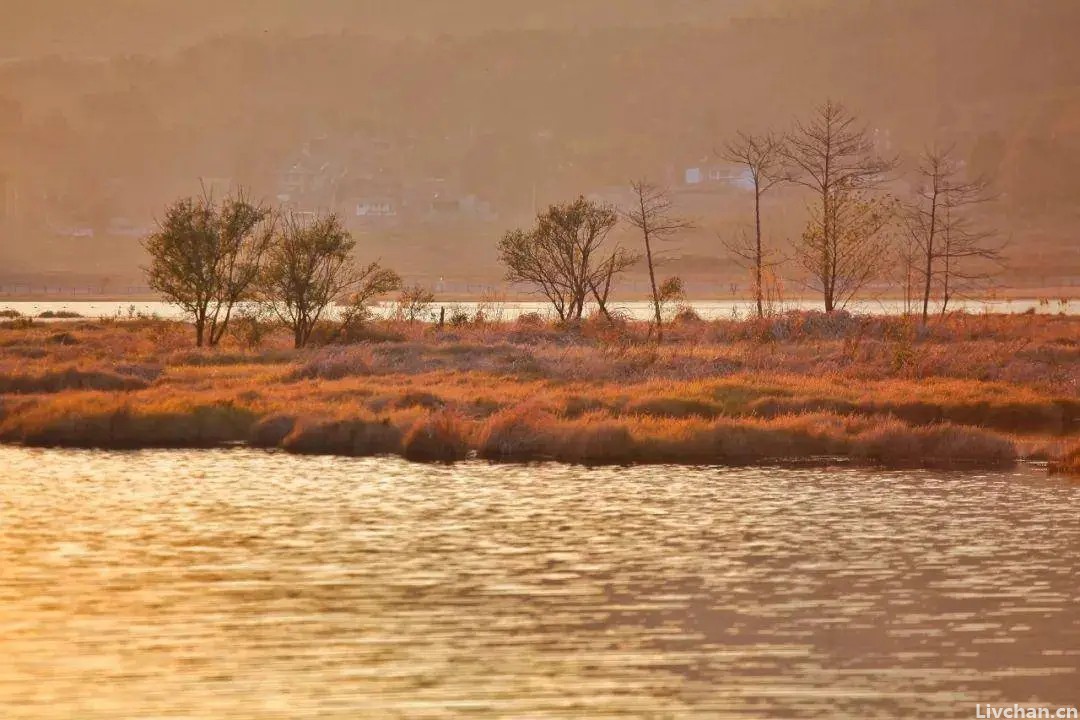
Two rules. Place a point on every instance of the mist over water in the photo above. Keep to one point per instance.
(241, 584)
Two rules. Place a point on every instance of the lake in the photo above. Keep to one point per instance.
(241, 584)
(509, 310)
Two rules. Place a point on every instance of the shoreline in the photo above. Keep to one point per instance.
(792, 463)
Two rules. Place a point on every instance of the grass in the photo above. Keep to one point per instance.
(1069, 463)
(977, 390)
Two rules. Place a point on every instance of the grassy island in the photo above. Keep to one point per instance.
(963, 391)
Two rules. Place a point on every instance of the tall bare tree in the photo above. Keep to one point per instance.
(834, 157)
(652, 215)
(763, 157)
(206, 256)
(952, 251)
(565, 256)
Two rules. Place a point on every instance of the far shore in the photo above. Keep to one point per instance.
(967, 391)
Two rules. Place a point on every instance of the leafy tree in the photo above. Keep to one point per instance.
(206, 257)
(309, 267)
(565, 256)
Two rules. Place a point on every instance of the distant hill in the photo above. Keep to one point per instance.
(112, 108)
(104, 28)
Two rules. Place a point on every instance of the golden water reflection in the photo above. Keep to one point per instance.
(239, 584)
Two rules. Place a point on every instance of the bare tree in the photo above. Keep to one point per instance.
(652, 215)
(940, 228)
(310, 266)
(907, 267)
(206, 258)
(564, 256)
(846, 245)
(763, 157)
(834, 157)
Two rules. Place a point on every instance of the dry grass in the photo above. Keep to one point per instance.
(1069, 464)
(966, 390)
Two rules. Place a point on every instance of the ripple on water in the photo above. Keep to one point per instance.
(233, 583)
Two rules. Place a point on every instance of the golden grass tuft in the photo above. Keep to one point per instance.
(1069, 464)
(69, 378)
(514, 434)
(95, 420)
(441, 436)
(334, 364)
(351, 436)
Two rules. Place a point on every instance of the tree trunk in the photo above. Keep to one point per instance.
(652, 282)
(200, 327)
(929, 256)
(757, 250)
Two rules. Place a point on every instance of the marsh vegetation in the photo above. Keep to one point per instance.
(965, 390)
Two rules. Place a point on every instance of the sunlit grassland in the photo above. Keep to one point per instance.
(969, 390)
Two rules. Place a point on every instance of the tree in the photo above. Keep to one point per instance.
(940, 228)
(835, 159)
(310, 266)
(846, 245)
(653, 217)
(565, 256)
(206, 258)
(414, 302)
(762, 156)
(375, 281)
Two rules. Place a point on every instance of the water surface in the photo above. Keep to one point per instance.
(240, 584)
(510, 310)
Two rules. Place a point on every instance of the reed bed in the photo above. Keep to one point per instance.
(978, 390)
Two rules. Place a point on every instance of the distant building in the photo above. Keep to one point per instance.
(718, 175)
(375, 207)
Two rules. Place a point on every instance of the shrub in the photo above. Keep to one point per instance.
(458, 317)
(686, 314)
(530, 320)
(413, 303)
(250, 328)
